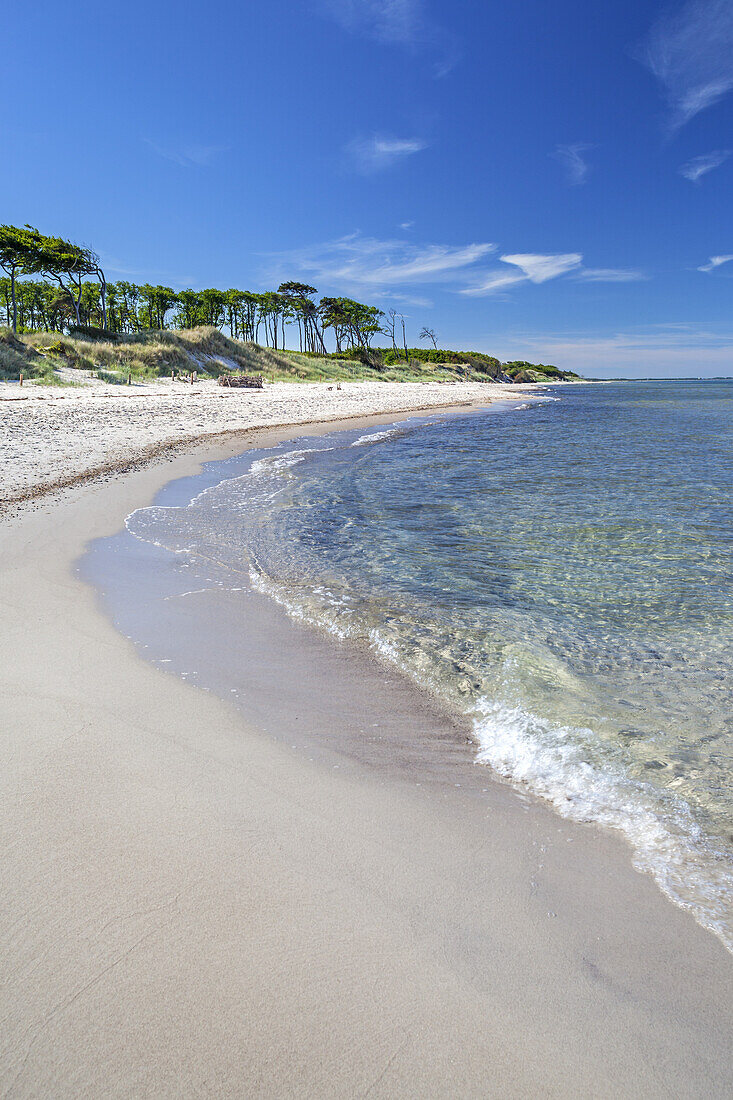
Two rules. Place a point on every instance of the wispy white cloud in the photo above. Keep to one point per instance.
(610, 275)
(387, 269)
(406, 225)
(373, 154)
(494, 281)
(533, 267)
(698, 167)
(359, 262)
(188, 156)
(690, 51)
(715, 261)
(572, 159)
(404, 23)
(540, 268)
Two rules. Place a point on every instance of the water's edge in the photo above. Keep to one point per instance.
(518, 747)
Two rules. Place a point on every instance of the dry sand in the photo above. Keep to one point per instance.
(53, 436)
(191, 907)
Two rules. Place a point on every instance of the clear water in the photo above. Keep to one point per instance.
(561, 572)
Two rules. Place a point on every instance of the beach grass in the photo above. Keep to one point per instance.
(49, 357)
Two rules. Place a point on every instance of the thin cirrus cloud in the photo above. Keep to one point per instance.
(362, 263)
(572, 159)
(403, 23)
(370, 265)
(690, 52)
(188, 156)
(609, 275)
(715, 262)
(698, 167)
(530, 267)
(375, 153)
(541, 268)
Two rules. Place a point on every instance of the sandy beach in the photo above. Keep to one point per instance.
(55, 436)
(200, 904)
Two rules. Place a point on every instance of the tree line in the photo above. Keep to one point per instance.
(57, 285)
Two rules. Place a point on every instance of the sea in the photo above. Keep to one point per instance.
(556, 570)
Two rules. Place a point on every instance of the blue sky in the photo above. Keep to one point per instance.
(549, 181)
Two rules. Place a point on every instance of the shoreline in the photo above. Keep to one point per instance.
(140, 610)
(191, 900)
(63, 423)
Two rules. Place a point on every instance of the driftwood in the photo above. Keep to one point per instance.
(251, 381)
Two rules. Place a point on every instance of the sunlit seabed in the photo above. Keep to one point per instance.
(561, 573)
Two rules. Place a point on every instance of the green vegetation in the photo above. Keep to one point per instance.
(209, 352)
(144, 356)
(17, 358)
(520, 371)
(61, 312)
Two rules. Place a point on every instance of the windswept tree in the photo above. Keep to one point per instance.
(248, 316)
(333, 313)
(157, 301)
(404, 340)
(389, 327)
(72, 290)
(352, 322)
(189, 309)
(67, 264)
(364, 323)
(212, 303)
(429, 334)
(147, 305)
(127, 297)
(102, 290)
(271, 306)
(20, 252)
(7, 301)
(234, 302)
(89, 305)
(302, 307)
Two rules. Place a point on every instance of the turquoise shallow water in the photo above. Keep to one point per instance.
(560, 572)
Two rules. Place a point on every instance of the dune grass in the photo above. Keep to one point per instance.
(17, 358)
(316, 369)
(150, 355)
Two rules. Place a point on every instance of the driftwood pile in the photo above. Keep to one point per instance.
(251, 381)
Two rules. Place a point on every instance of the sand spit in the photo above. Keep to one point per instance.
(53, 437)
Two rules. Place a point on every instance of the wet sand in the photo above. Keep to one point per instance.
(210, 900)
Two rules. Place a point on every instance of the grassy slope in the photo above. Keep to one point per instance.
(207, 350)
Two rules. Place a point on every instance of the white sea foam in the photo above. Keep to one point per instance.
(666, 842)
(376, 437)
(552, 763)
(260, 484)
(566, 766)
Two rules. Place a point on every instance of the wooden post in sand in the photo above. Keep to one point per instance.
(129, 378)
(21, 378)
